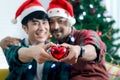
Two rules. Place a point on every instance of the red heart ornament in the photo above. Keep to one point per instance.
(58, 51)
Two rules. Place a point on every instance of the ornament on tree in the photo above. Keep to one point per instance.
(109, 37)
(59, 51)
(99, 33)
(49, 37)
(92, 11)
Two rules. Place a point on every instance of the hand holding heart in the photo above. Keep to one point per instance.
(65, 52)
(72, 55)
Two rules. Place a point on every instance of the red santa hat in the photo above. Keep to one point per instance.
(26, 8)
(61, 8)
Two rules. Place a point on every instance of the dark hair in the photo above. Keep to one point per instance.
(36, 15)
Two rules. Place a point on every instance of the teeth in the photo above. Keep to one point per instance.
(39, 32)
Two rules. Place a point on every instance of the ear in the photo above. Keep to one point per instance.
(25, 28)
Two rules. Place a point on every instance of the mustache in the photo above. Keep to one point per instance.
(56, 30)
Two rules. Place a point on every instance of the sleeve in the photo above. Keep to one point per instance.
(11, 55)
(91, 37)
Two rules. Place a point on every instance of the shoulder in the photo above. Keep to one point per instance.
(85, 32)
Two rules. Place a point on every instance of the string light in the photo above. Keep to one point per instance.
(81, 17)
(99, 15)
(91, 6)
(84, 13)
(53, 65)
(108, 19)
(81, 7)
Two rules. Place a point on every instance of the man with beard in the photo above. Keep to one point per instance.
(86, 49)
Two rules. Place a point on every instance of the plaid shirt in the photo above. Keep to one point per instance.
(82, 70)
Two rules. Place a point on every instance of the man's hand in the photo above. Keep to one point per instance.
(39, 53)
(7, 41)
(72, 57)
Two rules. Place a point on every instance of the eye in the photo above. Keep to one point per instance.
(60, 21)
(50, 21)
(45, 22)
(35, 23)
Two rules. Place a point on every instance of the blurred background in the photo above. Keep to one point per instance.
(102, 16)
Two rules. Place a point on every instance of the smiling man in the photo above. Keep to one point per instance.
(26, 60)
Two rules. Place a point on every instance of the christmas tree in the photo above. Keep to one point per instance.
(91, 14)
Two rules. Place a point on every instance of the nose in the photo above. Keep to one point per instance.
(41, 27)
(55, 25)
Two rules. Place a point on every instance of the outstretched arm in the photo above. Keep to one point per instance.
(36, 52)
(75, 51)
(7, 41)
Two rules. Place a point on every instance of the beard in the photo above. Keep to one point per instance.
(57, 34)
(59, 38)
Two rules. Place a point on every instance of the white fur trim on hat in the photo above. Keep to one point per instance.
(61, 13)
(71, 20)
(58, 12)
(30, 10)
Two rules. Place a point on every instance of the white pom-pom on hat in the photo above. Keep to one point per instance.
(14, 21)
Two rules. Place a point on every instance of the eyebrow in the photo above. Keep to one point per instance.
(58, 18)
(61, 18)
(36, 20)
(33, 20)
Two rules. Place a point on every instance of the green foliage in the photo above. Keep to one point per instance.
(91, 14)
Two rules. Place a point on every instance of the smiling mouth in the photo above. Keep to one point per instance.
(57, 33)
(40, 34)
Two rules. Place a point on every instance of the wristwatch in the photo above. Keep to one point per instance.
(82, 52)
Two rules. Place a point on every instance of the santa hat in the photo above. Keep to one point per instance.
(26, 8)
(61, 8)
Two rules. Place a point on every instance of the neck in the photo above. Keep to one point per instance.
(66, 39)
